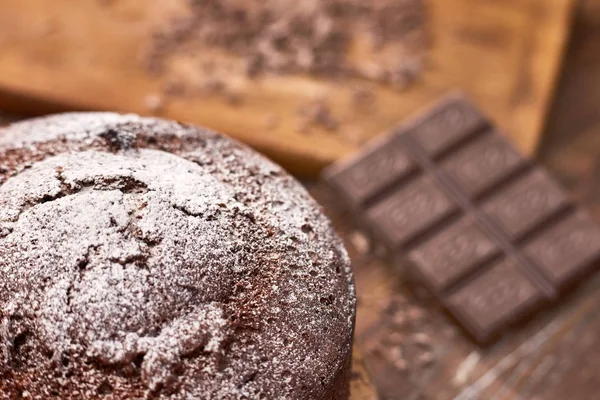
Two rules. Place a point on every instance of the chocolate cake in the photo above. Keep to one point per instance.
(144, 258)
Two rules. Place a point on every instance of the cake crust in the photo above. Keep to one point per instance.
(144, 258)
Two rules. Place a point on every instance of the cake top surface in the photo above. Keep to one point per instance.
(143, 257)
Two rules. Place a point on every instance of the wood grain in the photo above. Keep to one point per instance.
(60, 54)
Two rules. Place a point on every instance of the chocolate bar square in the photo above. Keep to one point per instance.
(567, 250)
(500, 296)
(361, 179)
(450, 122)
(526, 203)
(483, 164)
(458, 250)
(409, 211)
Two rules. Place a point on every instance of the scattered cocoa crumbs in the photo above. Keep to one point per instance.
(290, 36)
(373, 348)
(317, 113)
(234, 99)
(405, 73)
(356, 376)
(213, 85)
(403, 347)
(362, 98)
(173, 88)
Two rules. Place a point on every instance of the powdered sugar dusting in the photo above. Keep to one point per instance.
(206, 273)
(80, 126)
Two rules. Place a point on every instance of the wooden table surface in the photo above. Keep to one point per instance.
(86, 55)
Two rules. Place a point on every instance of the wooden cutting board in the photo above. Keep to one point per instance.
(64, 54)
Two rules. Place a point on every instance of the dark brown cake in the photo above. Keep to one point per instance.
(143, 258)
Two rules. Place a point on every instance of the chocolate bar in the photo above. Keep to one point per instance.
(489, 233)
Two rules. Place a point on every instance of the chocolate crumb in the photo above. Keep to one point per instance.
(356, 376)
(401, 365)
(415, 314)
(399, 319)
(395, 353)
(425, 359)
(234, 98)
(254, 65)
(422, 339)
(174, 88)
(213, 85)
(405, 74)
(373, 347)
(318, 113)
(362, 98)
(360, 242)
